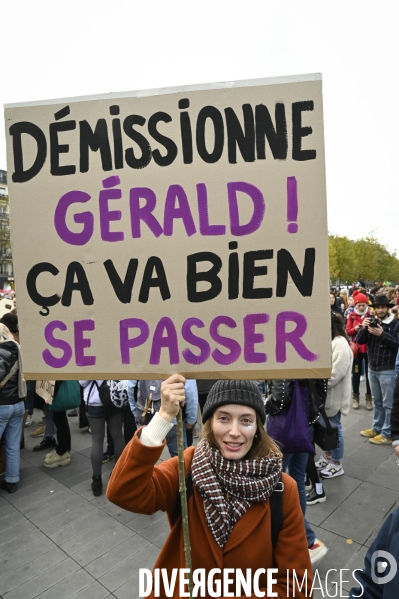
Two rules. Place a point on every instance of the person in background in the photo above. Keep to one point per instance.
(61, 454)
(149, 402)
(382, 338)
(129, 423)
(338, 396)
(350, 308)
(99, 414)
(295, 464)
(109, 453)
(204, 386)
(335, 305)
(395, 413)
(46, 429)
(377, 288)
(129, 428)
(10, 320)
(343, 294)
(362, 289)
(391, 294)
(12, 407)
(314, 484)
(371, 577)
(353, 326)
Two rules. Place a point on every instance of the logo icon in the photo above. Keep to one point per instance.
(382, 562)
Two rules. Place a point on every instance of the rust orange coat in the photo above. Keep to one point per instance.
(139, 486)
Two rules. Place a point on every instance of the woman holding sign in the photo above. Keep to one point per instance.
(243, 513)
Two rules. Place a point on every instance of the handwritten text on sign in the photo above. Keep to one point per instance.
(189, 233)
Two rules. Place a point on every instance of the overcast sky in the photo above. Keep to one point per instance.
(60, 49)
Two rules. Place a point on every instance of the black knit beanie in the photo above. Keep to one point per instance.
(243, 393)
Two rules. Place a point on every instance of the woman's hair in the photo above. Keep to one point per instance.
(390, 292)
(337, 326)
(11, 321)
(5, 334)
(263, 446)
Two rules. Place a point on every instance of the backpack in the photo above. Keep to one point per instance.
(276, 506)
(104, 394)
(119, 396)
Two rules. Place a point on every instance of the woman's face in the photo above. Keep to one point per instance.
(234, 428)
(332, 299)
(361, 307)
(351, 301)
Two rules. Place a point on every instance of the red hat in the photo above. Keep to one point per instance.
(360, 298)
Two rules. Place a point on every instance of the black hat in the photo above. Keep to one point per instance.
(382, 300)
(243, 393)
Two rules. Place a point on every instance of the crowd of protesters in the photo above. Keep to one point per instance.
(365, 344)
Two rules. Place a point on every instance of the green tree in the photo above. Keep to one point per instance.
(341, 248)
(333, 260)
(368, 258)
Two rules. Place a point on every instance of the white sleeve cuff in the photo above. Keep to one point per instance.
(156, 431)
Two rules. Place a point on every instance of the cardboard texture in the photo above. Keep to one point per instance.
(179, 230)
(45, 390)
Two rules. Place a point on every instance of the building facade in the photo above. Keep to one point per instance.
(6, 268)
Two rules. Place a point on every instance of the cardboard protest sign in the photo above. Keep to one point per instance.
(178, 230)
(45, 390)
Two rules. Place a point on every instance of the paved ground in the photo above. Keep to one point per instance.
(58, 541)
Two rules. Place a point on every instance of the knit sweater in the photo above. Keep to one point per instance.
(382, 350)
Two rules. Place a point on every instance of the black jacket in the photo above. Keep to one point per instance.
(376, 584)
(8, 357)
(205, 385)
(382, 350)
(282, 394)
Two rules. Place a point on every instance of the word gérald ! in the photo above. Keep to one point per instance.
(205, 266)
(113, 138)
(233, 582)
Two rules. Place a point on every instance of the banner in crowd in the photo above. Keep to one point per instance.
(177, 230)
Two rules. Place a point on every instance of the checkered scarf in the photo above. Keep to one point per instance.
(229, 488)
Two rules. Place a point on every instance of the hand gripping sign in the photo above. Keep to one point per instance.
(178, 230)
